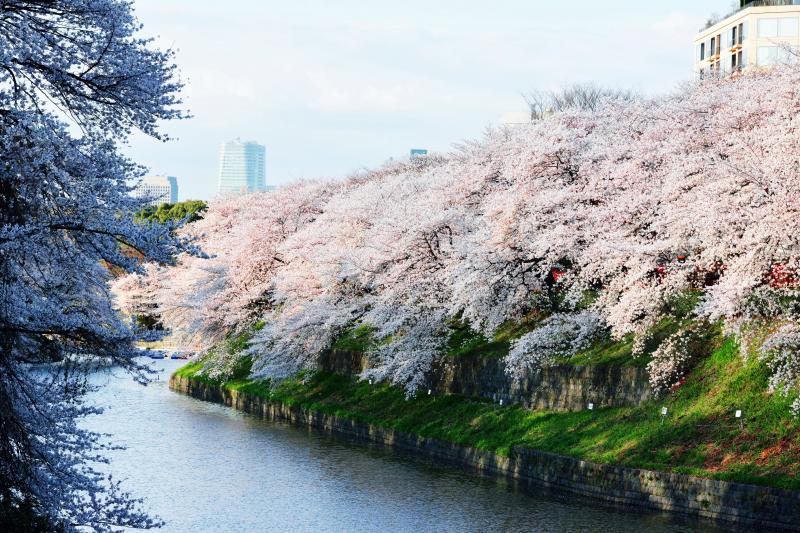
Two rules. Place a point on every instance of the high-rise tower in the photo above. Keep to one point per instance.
(241, 167)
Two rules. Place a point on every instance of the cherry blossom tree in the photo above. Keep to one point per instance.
(75, 80)
(634, 202)
(560, 335)
(781, 351)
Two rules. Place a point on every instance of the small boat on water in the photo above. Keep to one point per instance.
(179, 355)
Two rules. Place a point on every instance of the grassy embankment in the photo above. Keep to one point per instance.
(700, 436)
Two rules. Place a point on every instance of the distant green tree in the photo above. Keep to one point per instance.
(193, 209)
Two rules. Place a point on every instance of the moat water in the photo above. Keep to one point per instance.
(203, 467)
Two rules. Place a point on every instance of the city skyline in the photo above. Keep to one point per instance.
(331, 89)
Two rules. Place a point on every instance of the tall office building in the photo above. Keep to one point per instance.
(752, 36)
(241, 167)
(157, 189)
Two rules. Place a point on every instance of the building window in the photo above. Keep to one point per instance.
(713, 46)
(787, 27)
(767, 55)
(736, 35)
(702, 51)
(737, 61)
(767, 27)
(778, 27)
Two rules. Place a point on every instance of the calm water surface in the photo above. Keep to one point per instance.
(204, 467)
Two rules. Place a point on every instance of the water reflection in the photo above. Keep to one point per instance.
(205, 467)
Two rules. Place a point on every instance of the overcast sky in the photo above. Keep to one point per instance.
(334, 86)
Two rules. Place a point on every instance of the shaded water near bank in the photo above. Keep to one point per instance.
(205, 467)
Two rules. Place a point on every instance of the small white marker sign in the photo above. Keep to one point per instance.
(429, 392)
(501, 402)
(591, 406)
(738, 413)
(664, 411)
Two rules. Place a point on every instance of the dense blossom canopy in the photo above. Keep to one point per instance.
(65, 225)
(633, 203)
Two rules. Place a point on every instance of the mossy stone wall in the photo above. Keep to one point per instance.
(557, 388)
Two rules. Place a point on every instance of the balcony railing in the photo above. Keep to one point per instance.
(768, 3)
(753, 3)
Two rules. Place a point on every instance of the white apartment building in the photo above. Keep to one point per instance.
(755, 35)
(157, 190)
(242, 167)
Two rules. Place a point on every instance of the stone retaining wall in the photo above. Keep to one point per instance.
(557, 388)
(719, 501)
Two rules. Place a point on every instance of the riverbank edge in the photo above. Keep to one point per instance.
(722, 502)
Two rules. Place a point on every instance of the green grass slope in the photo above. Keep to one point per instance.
(700, 435)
